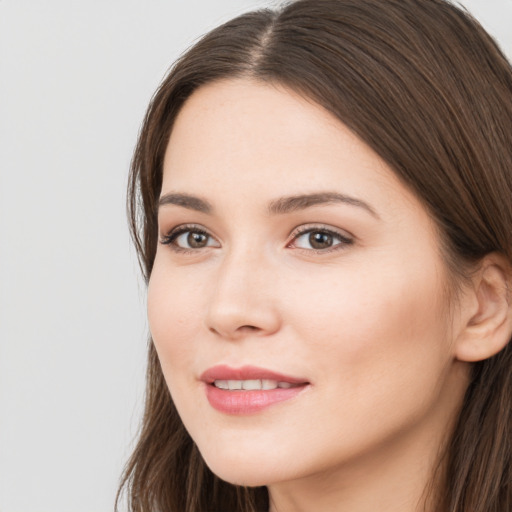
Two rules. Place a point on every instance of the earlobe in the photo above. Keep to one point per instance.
(489, 325)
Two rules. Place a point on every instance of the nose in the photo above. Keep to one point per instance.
(243, 301)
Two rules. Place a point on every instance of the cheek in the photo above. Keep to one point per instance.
(173, 314)
(379, 349)
(374, 325)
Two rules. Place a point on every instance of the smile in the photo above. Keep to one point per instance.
(248, 390)
(252, 384)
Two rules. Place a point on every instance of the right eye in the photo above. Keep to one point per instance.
(188, 239)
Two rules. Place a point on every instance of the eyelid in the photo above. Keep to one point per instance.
(175, 232)
(345, 237)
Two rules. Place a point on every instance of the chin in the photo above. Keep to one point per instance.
(250, 480)
(238, 476)
(246, 472)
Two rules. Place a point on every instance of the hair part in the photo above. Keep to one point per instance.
(423, 85)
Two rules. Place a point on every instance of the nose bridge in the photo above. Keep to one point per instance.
(241, 297)
(243, 261)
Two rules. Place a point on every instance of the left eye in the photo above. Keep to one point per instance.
(320, 239)
(187, 238)
(192, 240)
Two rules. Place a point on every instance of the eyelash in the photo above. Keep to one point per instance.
(170, 238)
(303, 230)
(175, 233)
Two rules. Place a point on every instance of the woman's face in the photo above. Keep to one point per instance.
(290, 255)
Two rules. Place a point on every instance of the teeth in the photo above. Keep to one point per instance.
(235, 384)
(268, 384)
(253, 384)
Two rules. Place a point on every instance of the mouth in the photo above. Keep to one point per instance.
(252, 384)
(249, 389)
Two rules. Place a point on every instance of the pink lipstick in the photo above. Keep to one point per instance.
(248, 389)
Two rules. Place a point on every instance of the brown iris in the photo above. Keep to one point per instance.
(197, 240)
(319, 240)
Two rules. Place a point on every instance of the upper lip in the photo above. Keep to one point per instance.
(224, 372)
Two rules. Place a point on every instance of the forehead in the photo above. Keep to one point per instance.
(261, 141)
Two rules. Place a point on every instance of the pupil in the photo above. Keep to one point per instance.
(196, 240)
(320, 240)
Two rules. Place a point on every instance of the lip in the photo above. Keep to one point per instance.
(244, 402)
(224, 372)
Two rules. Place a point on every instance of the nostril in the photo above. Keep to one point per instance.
(235, 320)
(247, 327)
(243, 329)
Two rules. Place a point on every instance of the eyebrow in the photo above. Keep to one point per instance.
(278, 206)
(186, 201)
(301, 202)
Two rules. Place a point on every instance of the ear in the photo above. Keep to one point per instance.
(488, 315)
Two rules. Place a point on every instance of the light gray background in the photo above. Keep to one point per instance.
(75, 79)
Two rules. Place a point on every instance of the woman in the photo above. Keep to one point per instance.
(320, 199)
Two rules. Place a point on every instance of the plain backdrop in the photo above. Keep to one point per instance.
(75, 79)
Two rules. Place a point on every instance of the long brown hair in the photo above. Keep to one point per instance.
(428, 89)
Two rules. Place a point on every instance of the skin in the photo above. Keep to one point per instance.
(365, 321)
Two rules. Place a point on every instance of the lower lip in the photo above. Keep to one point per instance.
(248, 402)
